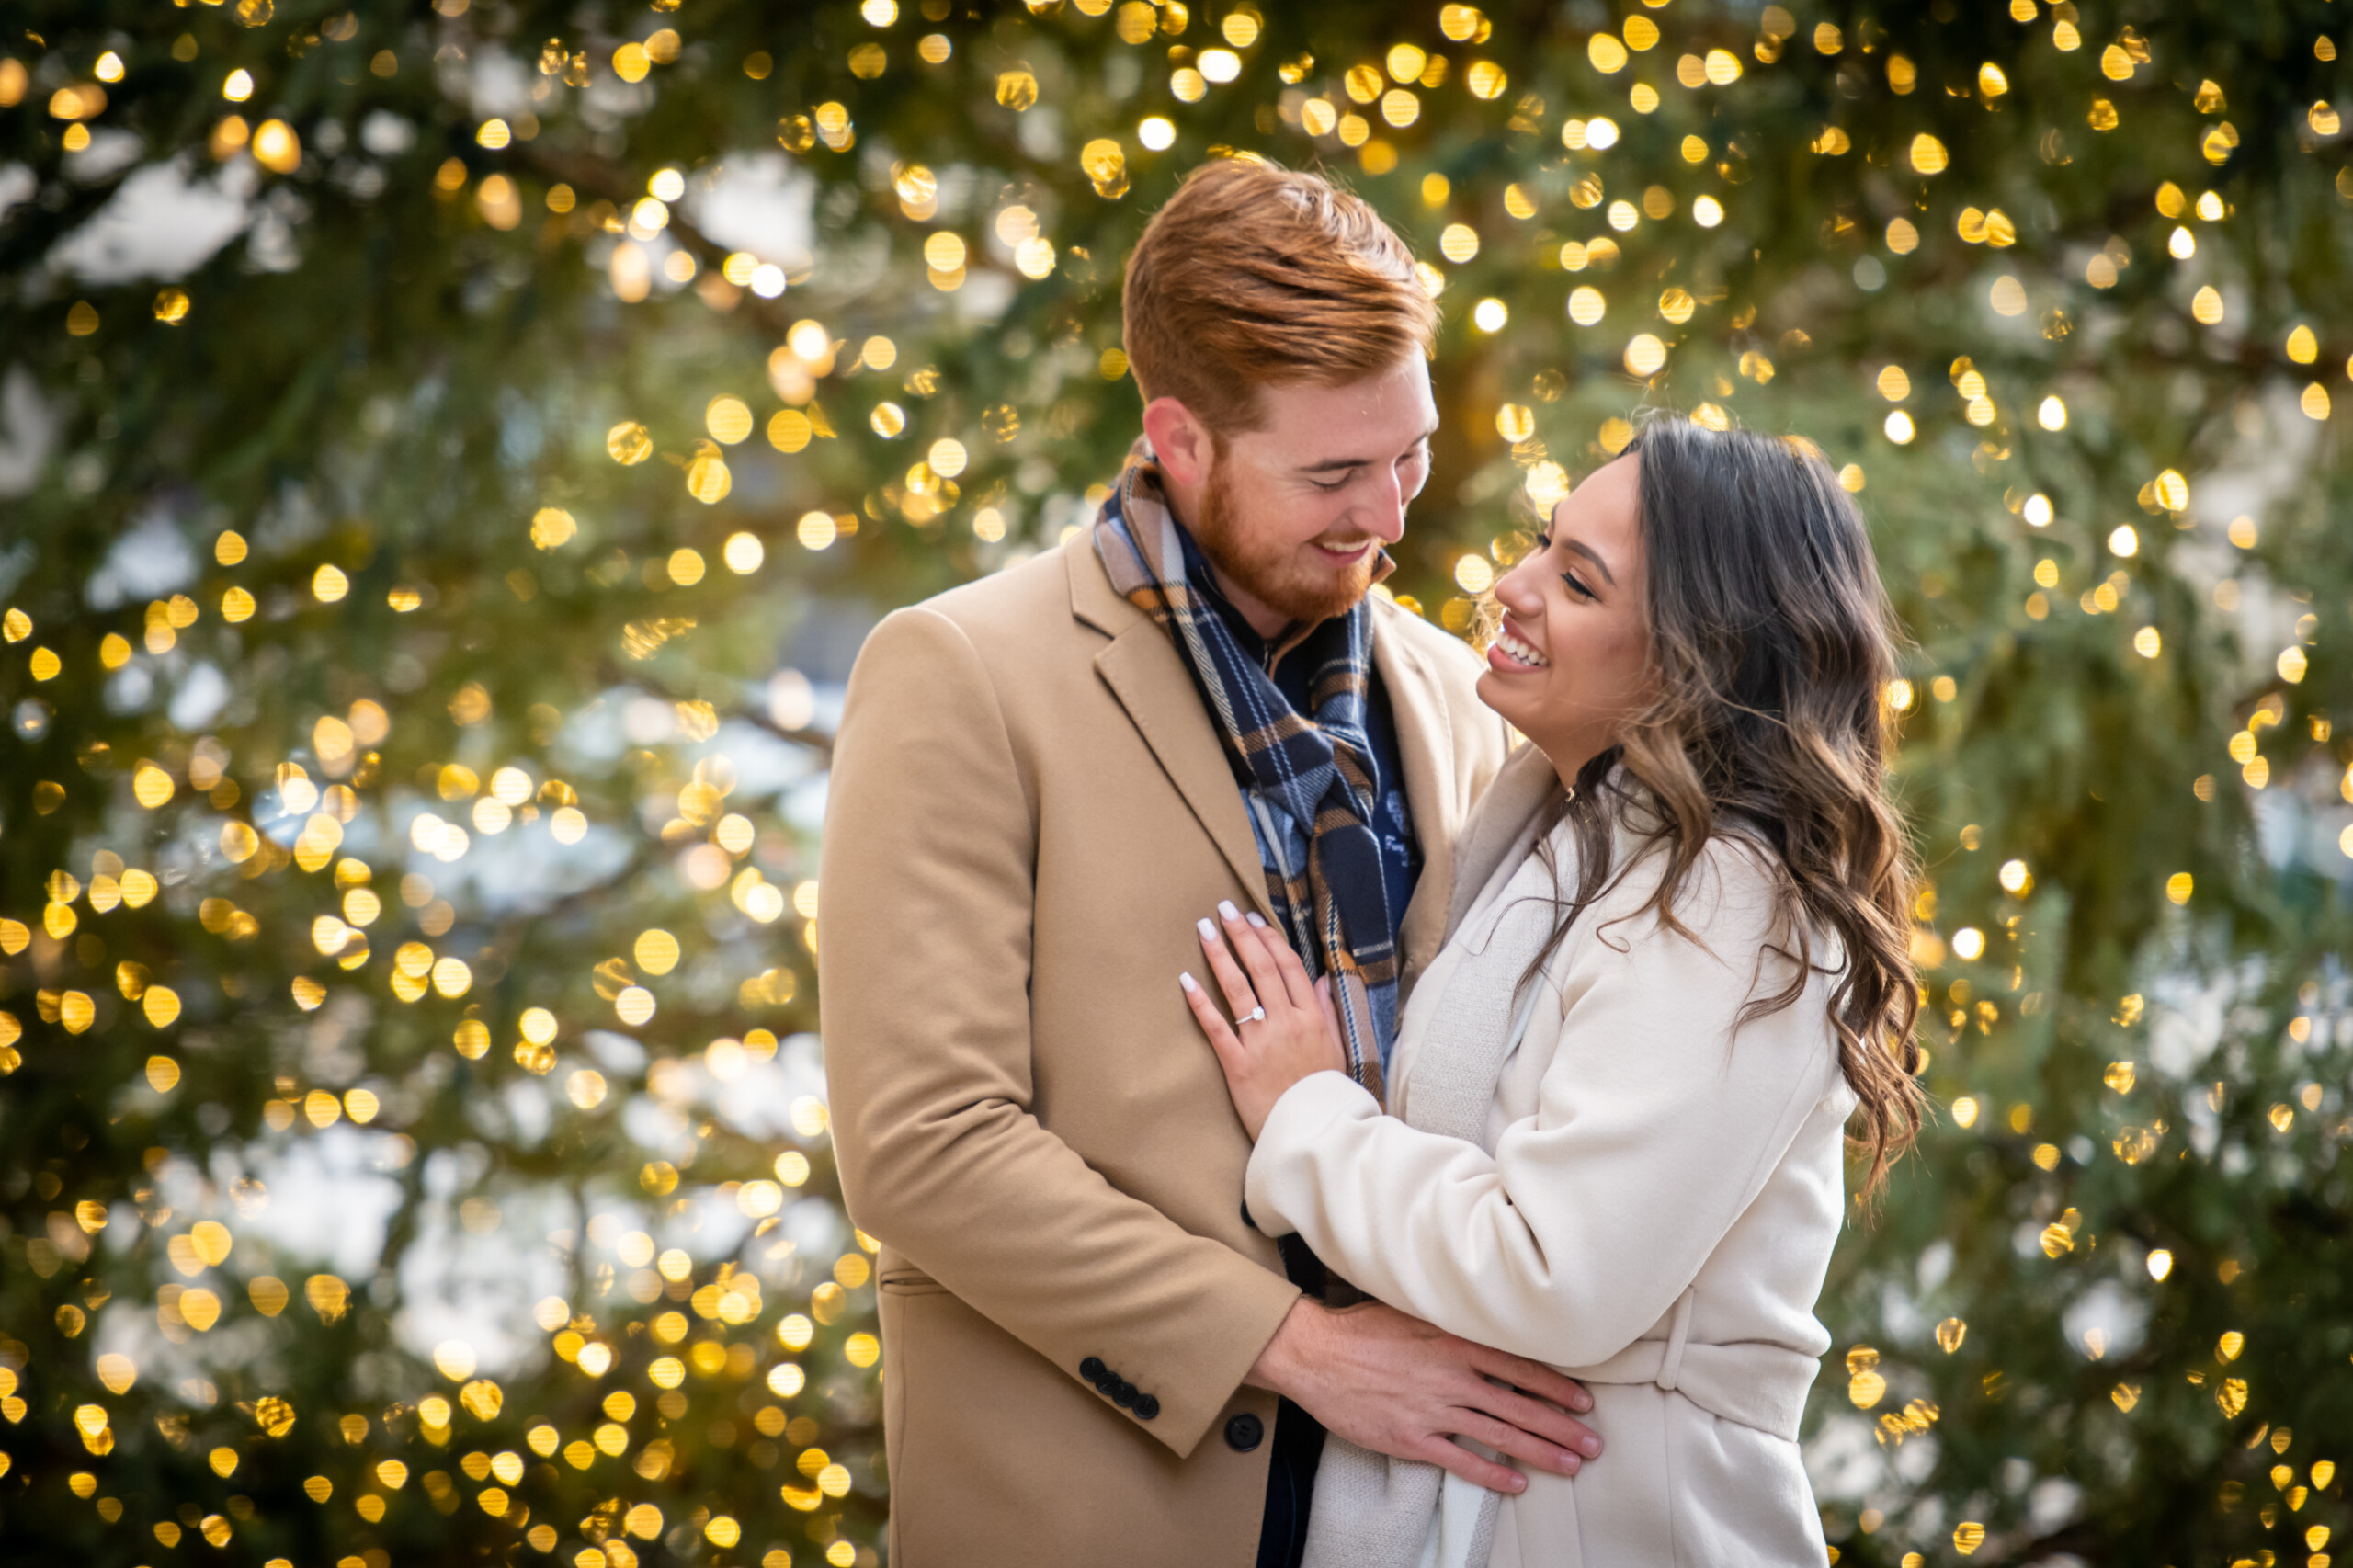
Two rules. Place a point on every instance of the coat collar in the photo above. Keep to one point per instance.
(1425, 745)
(1092, 598)
(1523, 788)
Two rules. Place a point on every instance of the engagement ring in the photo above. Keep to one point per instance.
(1257, 1016)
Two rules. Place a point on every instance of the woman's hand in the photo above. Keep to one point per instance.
(1287, 1029)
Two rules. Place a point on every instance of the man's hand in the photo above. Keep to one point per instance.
(1398, 1386)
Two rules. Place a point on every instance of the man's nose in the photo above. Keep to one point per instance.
(1382, 515)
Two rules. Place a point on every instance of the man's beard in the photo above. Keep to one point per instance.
(1272, 572)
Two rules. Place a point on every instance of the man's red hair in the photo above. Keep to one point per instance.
(1257, 275)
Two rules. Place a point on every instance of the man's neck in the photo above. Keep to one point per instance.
(1266, 623)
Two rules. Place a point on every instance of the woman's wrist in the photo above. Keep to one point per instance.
(1294, 1129)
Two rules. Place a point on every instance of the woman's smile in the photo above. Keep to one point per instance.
(1511, 654)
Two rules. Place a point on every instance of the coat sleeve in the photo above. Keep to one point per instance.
(924, 961)
(1655, 1129)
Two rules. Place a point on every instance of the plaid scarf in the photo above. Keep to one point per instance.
(1308, 779)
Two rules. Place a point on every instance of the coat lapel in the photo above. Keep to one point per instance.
(1144, 672)
(1426, 743)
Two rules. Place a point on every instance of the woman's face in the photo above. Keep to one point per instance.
(1572, 662)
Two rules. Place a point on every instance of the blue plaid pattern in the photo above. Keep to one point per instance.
(1308, 779)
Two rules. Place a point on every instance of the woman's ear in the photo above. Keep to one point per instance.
(1179, 441)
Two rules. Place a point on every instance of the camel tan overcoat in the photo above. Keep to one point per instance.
(1028, 811)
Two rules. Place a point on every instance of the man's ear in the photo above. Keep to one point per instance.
(1179, 441)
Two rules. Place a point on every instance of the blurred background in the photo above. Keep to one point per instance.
(449, 457)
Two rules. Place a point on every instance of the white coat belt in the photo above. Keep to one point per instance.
(1753, 1383)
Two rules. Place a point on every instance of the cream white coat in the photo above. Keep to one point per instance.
(1652, 1208)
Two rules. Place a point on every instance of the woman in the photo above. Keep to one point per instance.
(1677, 969)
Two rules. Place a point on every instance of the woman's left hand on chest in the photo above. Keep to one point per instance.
(1286, 1029)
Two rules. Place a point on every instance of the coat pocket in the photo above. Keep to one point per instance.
(910, 1282)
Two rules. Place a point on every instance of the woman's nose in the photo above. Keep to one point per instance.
(1516, 590)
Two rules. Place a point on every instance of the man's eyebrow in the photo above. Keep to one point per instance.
(1589, 554)
(1333, 465)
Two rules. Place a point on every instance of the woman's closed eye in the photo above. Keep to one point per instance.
(1544, 542)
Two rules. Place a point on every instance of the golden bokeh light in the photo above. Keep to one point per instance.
(414, 693)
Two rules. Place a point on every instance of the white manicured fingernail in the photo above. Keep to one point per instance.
(1225, 907)
(1187, 982)
(1254, 919)
(1208, 932)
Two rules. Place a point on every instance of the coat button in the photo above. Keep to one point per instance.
(1093, 1369)
(1123, 1393)
(1243, 1432)
(1146, 1407)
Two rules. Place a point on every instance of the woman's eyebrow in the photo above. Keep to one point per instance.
(1609, 576)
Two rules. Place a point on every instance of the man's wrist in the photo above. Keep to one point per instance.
(1279, 1364)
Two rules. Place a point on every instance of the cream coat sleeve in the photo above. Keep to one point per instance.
(1654, 1131)
(924, 961)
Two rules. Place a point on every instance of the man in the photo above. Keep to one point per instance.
(1042, 782)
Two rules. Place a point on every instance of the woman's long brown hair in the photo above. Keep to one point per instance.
(1772, 641)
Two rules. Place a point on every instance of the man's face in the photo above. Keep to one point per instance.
(1294, 513)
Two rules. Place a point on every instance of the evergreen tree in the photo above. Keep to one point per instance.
(447, 456)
